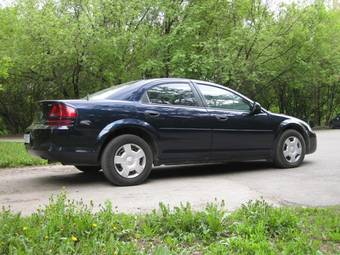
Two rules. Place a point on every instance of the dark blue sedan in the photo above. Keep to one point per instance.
(127, 129)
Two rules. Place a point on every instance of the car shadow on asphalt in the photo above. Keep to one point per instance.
(188, 171)
(157, 173)
(73, 179)
(164, 173)
(208, 169)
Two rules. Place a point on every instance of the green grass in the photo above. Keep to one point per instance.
(68, 227)
(14, 154)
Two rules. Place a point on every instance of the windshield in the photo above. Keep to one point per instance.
(114, 92)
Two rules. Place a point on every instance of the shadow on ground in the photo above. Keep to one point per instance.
(206, 169)
(212, 169)
(74, 179)
(159, 173)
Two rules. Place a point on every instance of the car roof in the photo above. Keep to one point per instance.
(170, 79)
(166, 80)
(177, 79)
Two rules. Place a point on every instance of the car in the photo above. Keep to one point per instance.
(335, 123)
(126, 130)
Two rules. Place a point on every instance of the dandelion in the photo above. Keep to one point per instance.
(94, 225)
(74, 238)
(24, 228)
(46, 237)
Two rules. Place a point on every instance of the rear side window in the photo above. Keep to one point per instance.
(220, 98)
(171, 94)
(119, 92)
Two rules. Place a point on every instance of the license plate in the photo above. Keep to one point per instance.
(27, 138)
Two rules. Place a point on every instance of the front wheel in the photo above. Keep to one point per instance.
(290, 149)
(127, 160)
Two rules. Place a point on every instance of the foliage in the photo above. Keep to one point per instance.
(69, 227)
(287, 58)
(3, 130)
(14, 154)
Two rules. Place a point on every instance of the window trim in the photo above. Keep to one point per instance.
(200, 103)
(222, 88)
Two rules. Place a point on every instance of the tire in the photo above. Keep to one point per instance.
(286, 156)
(88, 169)
(123, 161)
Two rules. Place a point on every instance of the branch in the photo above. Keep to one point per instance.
(279, 55)
(141, 19)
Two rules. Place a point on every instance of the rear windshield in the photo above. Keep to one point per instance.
(119, 92)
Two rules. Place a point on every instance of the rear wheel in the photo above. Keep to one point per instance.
(88, 169)
(290, 149)
(127, 160)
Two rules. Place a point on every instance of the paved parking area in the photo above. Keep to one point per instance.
(315, 183)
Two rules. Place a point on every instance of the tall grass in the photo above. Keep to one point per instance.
(68, 227)
(14, 154)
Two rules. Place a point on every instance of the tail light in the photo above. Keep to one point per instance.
(61, 115)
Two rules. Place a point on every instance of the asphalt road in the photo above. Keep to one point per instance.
(315, 183)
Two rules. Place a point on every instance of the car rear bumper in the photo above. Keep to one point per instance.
(312, 144)
(59, 145)
(63, 155)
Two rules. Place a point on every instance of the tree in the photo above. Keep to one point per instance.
(288, 59)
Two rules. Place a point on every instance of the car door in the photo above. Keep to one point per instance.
(177, 113)
(237, 134)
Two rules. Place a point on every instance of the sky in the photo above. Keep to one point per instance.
(4, 3)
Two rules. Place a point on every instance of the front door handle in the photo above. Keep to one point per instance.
(153, 114)
(222, 117)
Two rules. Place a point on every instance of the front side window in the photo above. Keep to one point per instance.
(220, 98)
(171, 94)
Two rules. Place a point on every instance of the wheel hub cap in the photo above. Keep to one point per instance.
(129, 160)
(292, 149)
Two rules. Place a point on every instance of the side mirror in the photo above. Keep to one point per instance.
(256, 108)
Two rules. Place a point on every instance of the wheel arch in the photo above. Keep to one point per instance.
(132, 127)
(289, 124)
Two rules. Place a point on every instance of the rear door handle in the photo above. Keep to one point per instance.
(222, 117)
(153, 114)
